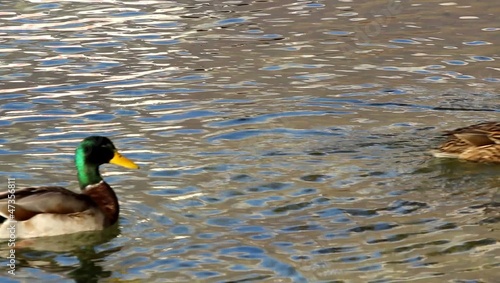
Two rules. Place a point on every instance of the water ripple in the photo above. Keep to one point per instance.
(278, 140)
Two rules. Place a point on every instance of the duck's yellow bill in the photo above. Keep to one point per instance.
(121, 160)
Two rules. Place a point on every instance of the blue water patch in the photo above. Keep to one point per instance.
(72, 50)
(19, 75)
(66, 26)
(100, 117)
(250, 229)
(148, 36)
(97, 67)
(271, 36)
(6, 279)
(239, 267)
(423, 72)
(156, 57)
(57, 112)
(9, 96)
(125, 112)
(492, 80)
(290, 48)
(77, 121)
(338, 101)
(315, 5)
(372, 267)
(46, 6)
(17, 106)
(482, 58)
(17, 176)
(21, 31)
(3, 46)
(182, 230)
(338, 32)
(404, 41)
(330, 212)
(455, 62)
(55, 62)
(29, 150)
(86, 106)
(27, 21)
(129, 14)
(208, 235)
(464, 77)
(390, 68)
(262, 202)
(238, 250)
(230, 21)
(253, 31)
(65, 260)
(435, 78)
(282, 269)
(477, 42)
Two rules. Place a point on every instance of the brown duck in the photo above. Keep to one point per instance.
(479, 142)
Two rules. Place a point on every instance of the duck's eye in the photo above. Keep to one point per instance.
(106, 146)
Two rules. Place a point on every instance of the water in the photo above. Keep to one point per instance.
(279, 141)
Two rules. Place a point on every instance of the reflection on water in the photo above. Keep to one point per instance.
(279, 141)
(70, 256)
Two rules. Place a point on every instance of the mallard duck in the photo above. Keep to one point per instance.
(479, 142)
(51, 211)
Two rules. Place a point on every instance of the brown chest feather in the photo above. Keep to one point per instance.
(105, 198)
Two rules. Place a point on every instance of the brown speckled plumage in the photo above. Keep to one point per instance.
(479, 143)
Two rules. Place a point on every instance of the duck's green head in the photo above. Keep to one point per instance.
(93, 152)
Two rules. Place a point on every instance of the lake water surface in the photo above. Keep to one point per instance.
(279, 140)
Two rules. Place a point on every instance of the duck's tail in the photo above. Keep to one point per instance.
(442, 154)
